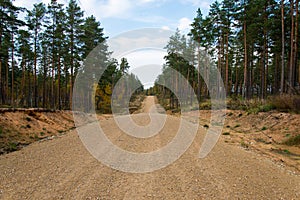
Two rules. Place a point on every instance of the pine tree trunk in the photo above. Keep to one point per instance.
(1, 84)
(58, 83)
(35, 69)
(12, 70)
(246, 92)
(198, 76)
(6, 84)
(282, 49)
(296, 40)
(227, 85)
(1, 92)
(292, 69)
(23, 81)
(44, 79)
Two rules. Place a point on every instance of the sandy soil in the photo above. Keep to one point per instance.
(63, 169)
(263, 133)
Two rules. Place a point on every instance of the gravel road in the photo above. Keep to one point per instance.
(62, 168)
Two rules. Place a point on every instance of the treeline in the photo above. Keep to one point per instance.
(41, 54)
(254, 45)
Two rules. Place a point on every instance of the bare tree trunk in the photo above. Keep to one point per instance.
(1, 89)
(236, 85)
(282, 48)
(245, 63)
(34, 69)
(6, 84)
(296, 38)
(58, 83)
(52, 84)
(12, 70)
(23, 80)
(44, 79)
(292, 68)
(227, 85)
(1, 92)
(66, 96)
(198, 76)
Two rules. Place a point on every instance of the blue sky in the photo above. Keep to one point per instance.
(117, 16)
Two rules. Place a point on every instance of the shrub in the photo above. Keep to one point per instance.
(293, 141)
(12, 146)
(264, 128)
(286, 102)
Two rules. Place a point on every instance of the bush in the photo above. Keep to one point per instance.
(293, 141)
(286, 102)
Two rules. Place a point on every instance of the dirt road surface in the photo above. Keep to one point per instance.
(63, 169)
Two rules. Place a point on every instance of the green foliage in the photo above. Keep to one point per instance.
(295, 140)
(264, 128)
(12, 146)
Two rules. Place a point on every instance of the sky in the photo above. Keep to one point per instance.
(119, 16)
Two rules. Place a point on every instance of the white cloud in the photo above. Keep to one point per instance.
(184, 24)
(147, 65)
(204, 4)
(108, 8)
(165, 28)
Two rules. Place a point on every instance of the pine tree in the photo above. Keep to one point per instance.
(74, 34)
(35, 21)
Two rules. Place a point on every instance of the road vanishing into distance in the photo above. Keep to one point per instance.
(62, 168)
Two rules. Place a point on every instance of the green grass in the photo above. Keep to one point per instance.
(264, 128)
(12, 146)
(286, 151)
(293, 141)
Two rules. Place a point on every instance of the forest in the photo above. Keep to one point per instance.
(41, 55)
(253, 44)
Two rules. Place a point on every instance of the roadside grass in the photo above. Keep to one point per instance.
(283, 103)
(292, 141)
(264, 128)
(244, 144)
